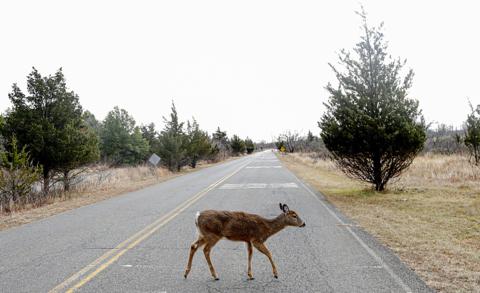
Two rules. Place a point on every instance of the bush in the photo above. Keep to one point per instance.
(17, 176)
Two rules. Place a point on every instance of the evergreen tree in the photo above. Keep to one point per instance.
(237, 145)
(212, 156)
(472, 134)
(220, 136)
(79, 148)
(249, 146)
(121, 140)
(151, 135)
(172, 143)
(45, 122)
(371, 128)
(198, 143)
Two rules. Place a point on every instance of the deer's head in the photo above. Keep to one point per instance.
(291, 217)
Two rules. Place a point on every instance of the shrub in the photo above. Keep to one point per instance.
(17, 176)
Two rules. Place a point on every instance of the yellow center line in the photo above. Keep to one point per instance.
(105, 260)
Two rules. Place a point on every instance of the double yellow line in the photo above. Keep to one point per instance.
(83, 276)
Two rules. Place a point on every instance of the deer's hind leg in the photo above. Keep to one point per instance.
(263, 249)
(250, 253)
(210, 243)
(193, 248)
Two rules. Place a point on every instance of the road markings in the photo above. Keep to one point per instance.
(258, 185)
(264, 167)
(77, 280)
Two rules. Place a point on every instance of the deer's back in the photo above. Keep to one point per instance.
(236, 226)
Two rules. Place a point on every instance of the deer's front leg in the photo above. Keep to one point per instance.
(250, 253)
(193, 248)
(263, 249)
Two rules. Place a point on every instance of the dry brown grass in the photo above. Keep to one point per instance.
(430, 217)
(111, 183)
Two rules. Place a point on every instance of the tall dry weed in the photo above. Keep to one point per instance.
(96, 178)
(116, 177)
(314, 161)
(429, 170)
(433, 170)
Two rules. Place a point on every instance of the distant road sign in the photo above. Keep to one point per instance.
(282, 149)
(154, 159)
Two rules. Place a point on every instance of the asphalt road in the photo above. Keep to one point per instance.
(140, 242)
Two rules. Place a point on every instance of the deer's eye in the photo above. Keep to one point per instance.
(294, 217)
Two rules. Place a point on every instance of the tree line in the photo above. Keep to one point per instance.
(46, 134)
(371, 128)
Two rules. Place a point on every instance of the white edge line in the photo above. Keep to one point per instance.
(359, 240)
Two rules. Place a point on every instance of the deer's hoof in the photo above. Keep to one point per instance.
(252, 278)
(276, 277)
(217, 279)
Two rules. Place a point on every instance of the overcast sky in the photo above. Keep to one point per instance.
(252, 68)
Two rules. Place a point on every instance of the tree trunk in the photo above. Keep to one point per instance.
(46, 181)
(66, 181)
(377, 169)
(194, 162)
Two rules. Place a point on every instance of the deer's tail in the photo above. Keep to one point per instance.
(196, 224)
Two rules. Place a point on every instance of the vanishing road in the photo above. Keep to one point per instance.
(139, 242)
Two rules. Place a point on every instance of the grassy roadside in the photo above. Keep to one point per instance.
(430, 217)
(119, 181)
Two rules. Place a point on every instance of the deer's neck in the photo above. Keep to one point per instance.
(277, 224)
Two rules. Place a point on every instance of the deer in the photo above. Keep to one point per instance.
(213, 225)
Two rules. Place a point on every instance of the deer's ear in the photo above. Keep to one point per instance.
(281, 206)
(285, 209)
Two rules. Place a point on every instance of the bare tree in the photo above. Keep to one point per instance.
(445, 140)
(291, 140)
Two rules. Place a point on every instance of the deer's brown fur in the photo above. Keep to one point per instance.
(213, 225)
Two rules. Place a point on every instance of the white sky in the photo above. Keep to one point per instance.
(253, 68)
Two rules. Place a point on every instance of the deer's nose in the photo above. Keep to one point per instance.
(303, 225)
